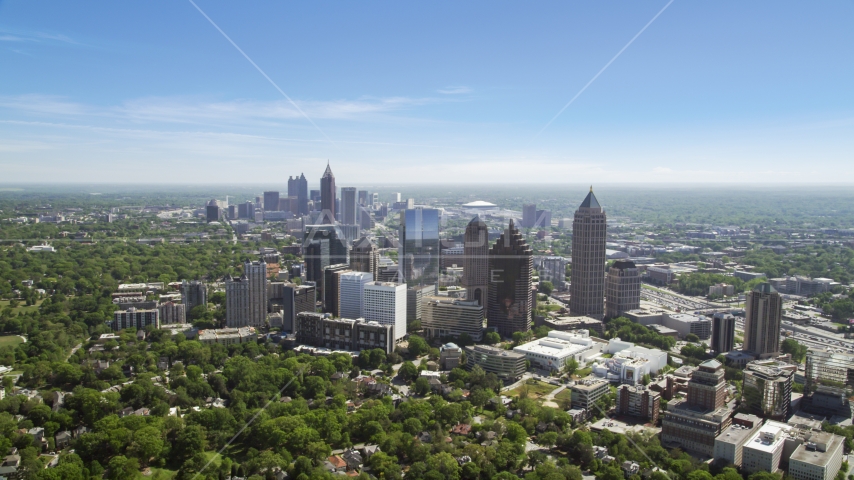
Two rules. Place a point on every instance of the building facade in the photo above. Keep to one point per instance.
(171, 312)
(723, 333)
(133, 318)
(351, 296)
(331, 287)
(271, 201)
(365, 257)
(349, 206)
(295, 300)
(419, 249)
(510, 300)
(638, 401)
(622, 289)
(193, 294)
(767, 388)
(246, 297)
(587, 277)
(327, 197)
(321, 330)
(385, 303)
(476, 261)
(505, 364)
(450, 317)
(298, 187)
(763, 317)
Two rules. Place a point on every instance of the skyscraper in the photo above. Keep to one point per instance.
(763, 315)
(349, 205)
(331, 287)
(351, 294)
(529, 215)
(363, 198)
(327, 196)
(246, 296)
(476, 261)
(587, 284)
(271, 201)
(386, 303)
(723, 333)
(338, 249)
(298, 187)
(212, 211)
(509, 302)
(623, 288)
(365, 257)
(418, 253)
(193, 294)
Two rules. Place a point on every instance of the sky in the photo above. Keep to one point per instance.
(427, 92)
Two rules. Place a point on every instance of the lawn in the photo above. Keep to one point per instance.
(536, 390)
(10, 340)
(565, 394)
(22, 307)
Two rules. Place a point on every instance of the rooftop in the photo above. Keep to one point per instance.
(808, 453)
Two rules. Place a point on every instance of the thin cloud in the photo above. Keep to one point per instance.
(10, 38)
(455, 90)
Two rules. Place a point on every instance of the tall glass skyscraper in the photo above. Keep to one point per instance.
(327, 196)
(418, 253)
(349, 205)
(510, 300)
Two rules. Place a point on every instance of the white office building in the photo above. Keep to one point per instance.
(385, 303)
(629, 362)
(763, 451)
(351, 294)
(553, 351)
(819, 458)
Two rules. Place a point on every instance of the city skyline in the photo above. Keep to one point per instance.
(680, 103)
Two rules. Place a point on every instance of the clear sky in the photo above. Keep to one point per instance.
(150, 91)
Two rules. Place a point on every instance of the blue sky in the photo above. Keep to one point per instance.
(741, 92)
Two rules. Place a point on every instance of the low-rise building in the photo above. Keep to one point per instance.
(730, 443)
(450, 356)
(586, 392)
(638, 401)
(687, 324)
(553, 351)
(228, 336)
(321, 330)
(571, 323)
(503, 363)
(764, 449)
(819, 458)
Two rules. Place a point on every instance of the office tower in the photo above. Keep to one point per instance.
(506, 364)
(829, 381)
(694, 423)
(316, 259)
(365, 257)
(365, 220)
(385, 303)
(414, 300)
(171, 313)
(246, 296)
(509, 301)
(529, 215)
(349, 205)
(232, 212)
(763, 314)
(321, 330)
(135, 318)
(622, 292)
(298, 187)
(295, 300)
(587, 285)
(767, 388)
(476, 261)
(375, 198)
(213, 212)
(314, 196)
(193, 294)
(338, 251)
(543, 219)
(450, 317)
(289, 204)
(351, 293)
(418, 253)
(246, 210)
(258, 203)
(723, 333)
(330, 290)
(271, 201)
(327, 196)
(396, 196)
(553, 269)
(364, 197)
(638, 401)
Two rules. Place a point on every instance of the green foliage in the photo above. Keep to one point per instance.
(796, 349)
(491, 338)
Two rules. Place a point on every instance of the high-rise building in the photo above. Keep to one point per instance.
(529, 215)
(767, 388)
(375, 199)
(415, 301)
(212, 211)
(171, 313)
(327, 196)
(553, 269)
(418, 253)
(365, 257)
(450, 317)
(351, 294)
(723, 333)
(246, 297)
(271, 201)
(511, 265)
(543, 219)
(638, 401)
(385, 303)
(335, 236)
(694, 423)
(587, 285)
(295, 300)
(623, 287)
(298, 187)
(135, 318)
(364, 198)
(331, 285)
(193, 294)
(476, 261)
(316, 259)
(246, 210)
(349, 206)
(763, 316)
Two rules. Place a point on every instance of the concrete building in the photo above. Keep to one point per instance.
(829, 377)
(349, 206)
(723, 333)
(764, 449)
(686, 324)
(476, 261)
(587, 285)
(510, 299)
(529, 215)
(327, 197)
(321, 330)
(228, 336)
(730, 443)
(553, 351)
(385, 303)
(415, 296)
(365, 257)
(331, 287)
(212, 211)
(133, 318)
(622, 288)
(450, 356)
(193, 294)
(586, 392)
(298, 187)
(295, 300)
(763, 316)
(449, 317)
(767, 388)
(553, 269)
(565, 324)
(171, 313)
(246, 297)
(660, 275)
(721, 290)
(638, 401)
(819, 458)
(505, 364)
(351, 296)
(271, 201)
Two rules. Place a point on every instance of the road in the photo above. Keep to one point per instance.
(73, 351)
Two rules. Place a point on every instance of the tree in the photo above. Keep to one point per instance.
(408, 371)
(692, 338)
(422, 386)
(548, 439)
(795, 349)
(546, 287)
(417, 346)
(571, 366)
(123, 468)
(147, 443)
(491, 338)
